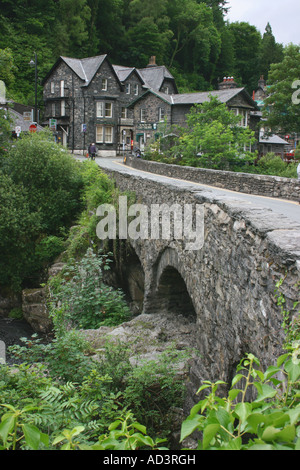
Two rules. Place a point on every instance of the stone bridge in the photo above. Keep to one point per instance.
(227, 286)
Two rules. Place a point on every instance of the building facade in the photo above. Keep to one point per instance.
(87, 101)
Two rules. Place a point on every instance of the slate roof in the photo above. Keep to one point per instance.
(154, 76)
(85, 68)
(199, 97)
(271, 139)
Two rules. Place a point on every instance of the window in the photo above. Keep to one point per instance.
(104, 109)
(104, 84)
(243, 115)
(108, 134)
(127, 88)
(124, 113)
(167, 90)
(161, 114)
(99, 109)
(53, 109)
(104, 134)
(62, 88)
(136, 89)
(108, 110)
(99, 134)
(52, 87)
(62, 108)
(143, 114)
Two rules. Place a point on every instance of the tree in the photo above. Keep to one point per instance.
(270, 52)
(214, 137)
(282, 107)
(247, 40)
(19, 228)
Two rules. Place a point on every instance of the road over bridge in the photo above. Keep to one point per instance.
(226, 284)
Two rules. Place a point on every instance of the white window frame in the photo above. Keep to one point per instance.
(143, 115)
(108, 109)
(127, 88)
(99, 134)
(104, 84)
(52, 87)
(62, 88)
(99, 109)
(62, 108)
(161, 114)
(124, 112)
(104, 134)
(108, 134)
(136, 89)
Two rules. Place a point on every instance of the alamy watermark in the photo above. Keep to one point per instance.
(155, 222)
(296, 94)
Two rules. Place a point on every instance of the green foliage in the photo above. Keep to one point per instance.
(271, 164)
(50, 175)
(214, 137)
(270, 422)
(85, 300)
(281, 110)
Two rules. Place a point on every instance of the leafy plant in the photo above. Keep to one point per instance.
(86, 301)
(270, 422)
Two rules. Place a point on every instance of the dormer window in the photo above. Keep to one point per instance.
(104, 84)
(136, 89)
(127, 88)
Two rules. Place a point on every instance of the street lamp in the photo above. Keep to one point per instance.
(33, 63)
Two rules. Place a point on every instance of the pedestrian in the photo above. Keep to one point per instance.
(92, 151)
(298, 171)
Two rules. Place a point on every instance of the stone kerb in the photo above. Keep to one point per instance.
(262, 185)
(231, 280)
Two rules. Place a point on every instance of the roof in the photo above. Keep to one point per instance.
(85, 69)
(272, 139)
(154, 76)
(224, 96)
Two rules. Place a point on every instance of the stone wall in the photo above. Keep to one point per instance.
(231, 280)
(263, 185)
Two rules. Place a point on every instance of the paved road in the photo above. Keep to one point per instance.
(280, 207)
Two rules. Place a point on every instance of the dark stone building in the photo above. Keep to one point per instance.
(86, 100)
(154, 112)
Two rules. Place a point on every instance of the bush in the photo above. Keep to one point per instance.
(85, 300)
(271, 164)
(51, 177)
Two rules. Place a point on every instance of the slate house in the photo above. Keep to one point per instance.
(86, 100)
(153, 108)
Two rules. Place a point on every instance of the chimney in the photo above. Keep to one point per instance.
(261, 82)
(228, 82)
(152, 61)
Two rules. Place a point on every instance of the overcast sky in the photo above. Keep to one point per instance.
(283, 16)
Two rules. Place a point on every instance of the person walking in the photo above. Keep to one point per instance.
(92, 151)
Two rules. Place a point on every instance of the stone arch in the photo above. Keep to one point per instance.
(132, 278)
(170, 292)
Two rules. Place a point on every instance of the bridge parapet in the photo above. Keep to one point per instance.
(263, 185)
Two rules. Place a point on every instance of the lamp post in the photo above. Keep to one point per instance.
(33, 63)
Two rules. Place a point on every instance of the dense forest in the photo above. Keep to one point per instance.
(191, 37)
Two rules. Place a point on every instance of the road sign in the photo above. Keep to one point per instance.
(32, 128)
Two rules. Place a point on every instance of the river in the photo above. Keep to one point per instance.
(11, 330)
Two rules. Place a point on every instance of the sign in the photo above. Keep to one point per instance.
(27, 116)
(52, 124)
(32, 128)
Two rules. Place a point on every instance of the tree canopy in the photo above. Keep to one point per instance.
(191, 37)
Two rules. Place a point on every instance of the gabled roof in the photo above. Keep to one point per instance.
(154, 76)
(85, 69)
(125, 72)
